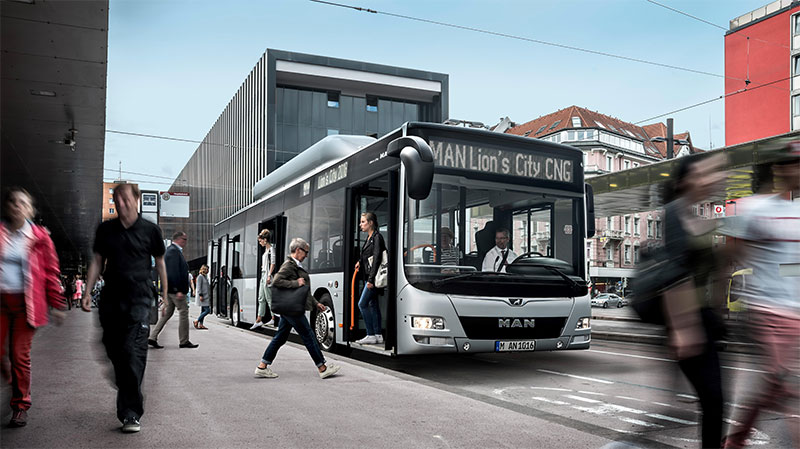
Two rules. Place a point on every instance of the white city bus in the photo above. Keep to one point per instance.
(422, 181)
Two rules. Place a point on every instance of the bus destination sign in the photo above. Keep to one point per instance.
(332, 175)
(494, 160)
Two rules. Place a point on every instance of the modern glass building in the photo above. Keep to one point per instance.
(288, 102)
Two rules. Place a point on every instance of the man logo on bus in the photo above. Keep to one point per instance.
(515, 301)
(516, 322)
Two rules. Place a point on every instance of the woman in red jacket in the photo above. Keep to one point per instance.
(29, 282)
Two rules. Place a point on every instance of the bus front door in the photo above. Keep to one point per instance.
(373, 196)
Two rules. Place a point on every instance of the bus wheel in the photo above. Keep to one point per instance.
(236, 317)
(325, 325)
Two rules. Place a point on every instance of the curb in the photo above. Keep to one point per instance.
(614, 318)
(725, 346)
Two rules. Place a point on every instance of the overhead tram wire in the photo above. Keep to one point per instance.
(712, 100)
(527, 39)
(711, 23)
(178, 139)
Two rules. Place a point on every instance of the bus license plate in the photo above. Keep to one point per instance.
(515, 345)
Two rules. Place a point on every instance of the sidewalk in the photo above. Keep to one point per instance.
(622, 324)
(208, 397)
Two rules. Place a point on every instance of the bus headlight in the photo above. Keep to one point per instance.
(427, 322)
(583, 323)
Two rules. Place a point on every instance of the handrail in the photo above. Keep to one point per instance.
(353, 301)
(424, 245)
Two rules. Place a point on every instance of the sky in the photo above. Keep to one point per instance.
(173, 65)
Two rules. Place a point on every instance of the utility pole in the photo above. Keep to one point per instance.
(670, 142)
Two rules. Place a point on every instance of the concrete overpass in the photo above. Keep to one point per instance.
(52, 114)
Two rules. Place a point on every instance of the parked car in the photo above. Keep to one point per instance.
(606, 300)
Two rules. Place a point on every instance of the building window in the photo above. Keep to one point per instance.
(796, 65)
(110, 191)
(627, 253)
(635, 164)
(541, 129)
(628, 225)
(796, 24)
(372, 104)
(555, 124)
(627, 165)
(111, 211)
(111, 201)
(658, 229)
(636, 226)
(589, 134)
(609, 163)
(649, 229)
(610, 253)
(609, 223)
(635, 254)
(333, 132)
(333, 99)
(600, 125)
(571, 135)
(576, 122)
(796, 106)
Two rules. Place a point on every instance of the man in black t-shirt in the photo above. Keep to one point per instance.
(124, 246)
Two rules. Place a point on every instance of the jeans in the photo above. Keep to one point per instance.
(125, 340)
(205, 310)
(370, 310)
(300, 324)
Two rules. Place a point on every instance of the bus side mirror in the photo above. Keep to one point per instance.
(589, 211)
(417, 157)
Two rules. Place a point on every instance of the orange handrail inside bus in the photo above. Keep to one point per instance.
(424, 245)
(353, 301)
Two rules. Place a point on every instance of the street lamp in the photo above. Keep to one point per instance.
(670, 140)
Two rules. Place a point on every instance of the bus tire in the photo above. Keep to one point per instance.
(236, 316)
(324, 324)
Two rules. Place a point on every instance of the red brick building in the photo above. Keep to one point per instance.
(762, 73)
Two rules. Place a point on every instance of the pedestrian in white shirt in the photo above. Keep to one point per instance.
(498, 258)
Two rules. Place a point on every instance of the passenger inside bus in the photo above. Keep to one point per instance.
(448, 251)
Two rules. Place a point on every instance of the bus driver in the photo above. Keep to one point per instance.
(500, 256)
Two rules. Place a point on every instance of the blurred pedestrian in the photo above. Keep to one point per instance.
(29, 283)
(768, 241)
(203, 297)
(267, 268)
(293, 275)
(79, 290)
(123, 248)
(178, 280)
(369, 304)
(692, 324)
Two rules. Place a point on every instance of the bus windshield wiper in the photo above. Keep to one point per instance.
(569, 280)
(439, 282)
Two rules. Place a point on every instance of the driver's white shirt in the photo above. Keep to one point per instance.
(495, 256)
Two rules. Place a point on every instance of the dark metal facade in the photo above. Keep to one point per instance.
(276, 114)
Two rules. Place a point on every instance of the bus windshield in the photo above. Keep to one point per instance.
(449, 239)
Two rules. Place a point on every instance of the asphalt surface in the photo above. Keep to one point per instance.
(613, 395)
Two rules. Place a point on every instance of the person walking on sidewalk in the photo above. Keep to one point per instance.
(768, 241)
(123, 248)
(267, 267)
(293, 275)
(203, 297)
(178, 280)
(29, 283)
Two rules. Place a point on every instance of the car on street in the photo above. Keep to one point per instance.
(606, 300)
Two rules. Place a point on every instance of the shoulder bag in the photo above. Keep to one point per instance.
(382, 278)
(289, 301)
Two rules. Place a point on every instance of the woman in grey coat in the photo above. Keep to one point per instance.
(203, 297)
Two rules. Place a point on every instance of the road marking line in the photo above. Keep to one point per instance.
(550, 389)
(638, 422)
(661, 359)
(602, 381)
(630, 399)
(550, 401)
(578, 398)
(591, 393)
(670, 418)
(627, 431)
(687, 396)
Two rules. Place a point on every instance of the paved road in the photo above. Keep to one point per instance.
(208, 397)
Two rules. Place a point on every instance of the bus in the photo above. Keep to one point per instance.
(426, 183)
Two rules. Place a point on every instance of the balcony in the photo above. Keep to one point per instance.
(613, 234)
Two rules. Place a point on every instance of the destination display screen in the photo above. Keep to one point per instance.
(487, 158)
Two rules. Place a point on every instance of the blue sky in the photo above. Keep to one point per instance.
(175, 64)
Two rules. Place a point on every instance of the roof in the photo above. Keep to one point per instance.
(562, 119)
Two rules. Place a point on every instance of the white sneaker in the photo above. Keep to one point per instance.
(255, 325)
(270, 323)
(266, 372)
(330, 371)
(379, 339)
(368, 340)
